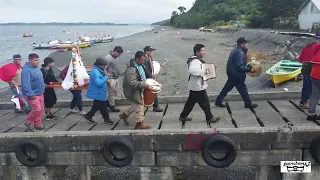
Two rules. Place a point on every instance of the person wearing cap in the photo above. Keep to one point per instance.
(236, 71)
(134, 84)
(112, 68)
(197, 86)
(315, 79)
(11, 73)
(33, 86)
(305, 58)
(97, 90)
(149, 67)
(50, 98)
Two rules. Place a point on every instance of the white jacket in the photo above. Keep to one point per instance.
(196, 72)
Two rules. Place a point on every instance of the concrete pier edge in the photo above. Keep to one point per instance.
(276, 95)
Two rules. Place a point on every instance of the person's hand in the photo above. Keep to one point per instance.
(107, 74)
(252, 70)
(161, 65)
(12, 84)
(147, 86)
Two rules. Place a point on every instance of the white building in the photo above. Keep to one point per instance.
(309, 13)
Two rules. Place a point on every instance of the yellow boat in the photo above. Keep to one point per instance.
(84, 45)
(283, 71)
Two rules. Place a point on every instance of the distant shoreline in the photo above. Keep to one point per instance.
(66, 24)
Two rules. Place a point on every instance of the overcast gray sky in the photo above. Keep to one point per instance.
(117, 11)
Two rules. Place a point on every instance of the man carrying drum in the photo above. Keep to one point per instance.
(149, 66)
(134, 84)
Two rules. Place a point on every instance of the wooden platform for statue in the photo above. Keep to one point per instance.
(59, 85)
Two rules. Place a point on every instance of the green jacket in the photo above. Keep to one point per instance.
(132, 84)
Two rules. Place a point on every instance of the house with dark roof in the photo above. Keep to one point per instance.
(309, 14)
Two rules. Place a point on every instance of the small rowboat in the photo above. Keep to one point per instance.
(283, 71)
(27, 35)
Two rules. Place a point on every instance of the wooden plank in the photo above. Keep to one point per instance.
(20, 127)
(9, 125)
(198, 119)
(4, 112)
(60, 114)
(225, 118)
(66, 123)
(83, 125)
(101, 126)
(269, 116)
(288, 110)
(171, 119)
(243, 116)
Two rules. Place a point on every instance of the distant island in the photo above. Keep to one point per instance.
(62, 24)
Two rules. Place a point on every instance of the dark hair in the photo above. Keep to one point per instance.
(312, 42)
(139, 54)
(118, 49)
(197, 48)
(33, 55)
(47, 61)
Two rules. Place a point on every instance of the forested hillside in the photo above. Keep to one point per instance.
(252, 13)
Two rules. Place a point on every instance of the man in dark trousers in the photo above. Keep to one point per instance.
(197, 87)
(149, 66)
(236, 70)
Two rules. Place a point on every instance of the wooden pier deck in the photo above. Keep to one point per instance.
(270, 113)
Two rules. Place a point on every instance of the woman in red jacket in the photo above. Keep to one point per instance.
(315, 78)
(306, 58)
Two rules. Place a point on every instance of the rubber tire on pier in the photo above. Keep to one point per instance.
(217, 140)
(23, 156)
(315, 149)
(124, 146)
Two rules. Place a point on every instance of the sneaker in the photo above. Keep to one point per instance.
(74, 111)
(114, 109)
(82, 113)
(157, 109)
(213, 120)
(30, 127)
(50, 117)
(251, 106)
(89, 120)
(18, 111)
(141, 125)
(40, 127)
(313, 117)
(304, 105)
(185, 119)
(108, 121)
(221, 105)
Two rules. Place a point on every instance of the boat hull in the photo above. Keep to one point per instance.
(283, 71)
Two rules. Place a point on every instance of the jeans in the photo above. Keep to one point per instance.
(315, 96)
(241, 87)
(200, 97)
(37, 107)
(20, 96)
(76, 100)
(306, 89)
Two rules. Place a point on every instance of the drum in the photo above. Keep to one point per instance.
(149, 95)
(156, 67)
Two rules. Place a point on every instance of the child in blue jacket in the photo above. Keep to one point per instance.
(97, 90)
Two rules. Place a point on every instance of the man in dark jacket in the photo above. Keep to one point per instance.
(236, 71)
(134, 84)
(149, 66)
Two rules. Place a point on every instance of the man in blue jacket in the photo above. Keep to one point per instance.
(32, 85)
(236, 70)
(97, 90)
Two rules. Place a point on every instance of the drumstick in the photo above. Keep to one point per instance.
(165, 61)
(164, 113)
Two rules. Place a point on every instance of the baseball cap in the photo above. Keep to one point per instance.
(242, 40)
(148, 48)
(17, 56)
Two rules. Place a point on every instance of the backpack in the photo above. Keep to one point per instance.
(64, 72)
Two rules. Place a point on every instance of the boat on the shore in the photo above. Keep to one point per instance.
(283, 71)
(105, 39)
(27, 35)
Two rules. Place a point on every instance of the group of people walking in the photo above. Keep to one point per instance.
(28, 84)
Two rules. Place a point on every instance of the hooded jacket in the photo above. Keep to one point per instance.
(32, 83)
(196, 73)
(97, 89)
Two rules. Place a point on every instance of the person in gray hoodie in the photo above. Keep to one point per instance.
(197, 87)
